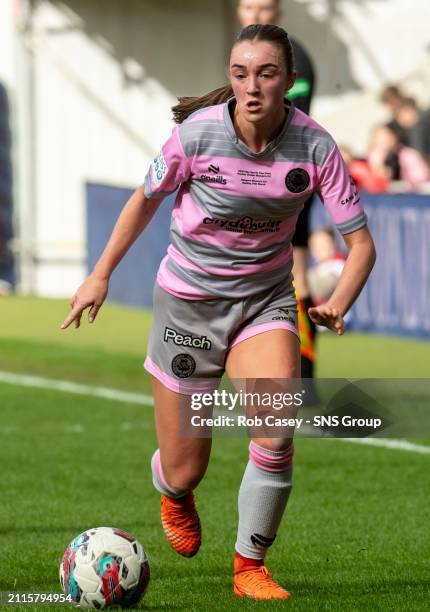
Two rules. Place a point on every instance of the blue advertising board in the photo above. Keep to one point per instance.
(396, 299)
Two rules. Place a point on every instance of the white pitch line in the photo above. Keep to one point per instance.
(390, 443)
(25, 380)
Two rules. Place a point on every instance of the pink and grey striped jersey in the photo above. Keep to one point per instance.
(236, 210)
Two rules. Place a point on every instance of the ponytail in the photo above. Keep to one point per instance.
(188, 105)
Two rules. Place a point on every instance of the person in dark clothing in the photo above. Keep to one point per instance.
(269, 12)
(416, 126)
(303, 89)
(392, 98)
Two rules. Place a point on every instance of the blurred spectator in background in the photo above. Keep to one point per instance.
(410, 124)
(415, 125)
(390, 159)
(392, 98)
(387, 160)
(328, 260)
(362, 173)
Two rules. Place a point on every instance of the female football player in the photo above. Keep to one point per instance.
(245, 161)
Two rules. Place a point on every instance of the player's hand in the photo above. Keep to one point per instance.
(91, 293)
(327, 317)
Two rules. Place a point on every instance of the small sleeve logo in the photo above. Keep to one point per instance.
(160, 168)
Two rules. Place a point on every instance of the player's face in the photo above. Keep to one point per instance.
(257, 11)
(259, 78)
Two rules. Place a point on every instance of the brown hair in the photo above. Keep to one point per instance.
(267, 33)
(390, 94)
(409, 103)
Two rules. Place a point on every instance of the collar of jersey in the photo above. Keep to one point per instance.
(241, 145)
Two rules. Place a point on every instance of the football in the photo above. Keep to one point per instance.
(104, 567)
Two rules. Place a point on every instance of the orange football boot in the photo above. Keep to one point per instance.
(181, 524)
(255, 581)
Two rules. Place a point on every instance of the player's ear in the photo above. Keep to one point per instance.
(291, 80)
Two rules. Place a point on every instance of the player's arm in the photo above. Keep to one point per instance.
(359, 264)
(134, 217)
(168, 170)
(342, 200)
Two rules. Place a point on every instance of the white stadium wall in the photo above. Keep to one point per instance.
(94, 80)
(97, 82)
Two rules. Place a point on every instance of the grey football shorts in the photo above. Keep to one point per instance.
(190, 339)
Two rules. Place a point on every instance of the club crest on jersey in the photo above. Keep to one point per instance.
(160, 168)
(297, 180)
(183, 365)
(199, 342)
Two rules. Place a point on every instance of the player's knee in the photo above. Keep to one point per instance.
(183, 478)
(276, 444)
(273, 454)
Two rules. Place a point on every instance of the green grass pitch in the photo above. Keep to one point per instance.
(355, 535)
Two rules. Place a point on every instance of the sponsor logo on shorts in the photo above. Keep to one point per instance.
(198, 342)
(160, 168)
(297, 180)
(245, 225)
(183, 365)
(285, 316)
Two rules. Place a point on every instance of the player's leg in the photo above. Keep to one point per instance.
(183, 460)
(267, 481)
(177, 465)
(182, 363)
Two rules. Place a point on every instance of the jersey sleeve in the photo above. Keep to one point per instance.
(340, 195)
(169, 169)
